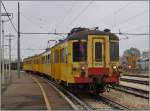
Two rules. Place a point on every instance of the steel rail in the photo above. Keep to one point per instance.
(86, 106)
(133, 91)
(132, 75)
(135, 81)
(57, 90)
(110, 102)
(70, 95)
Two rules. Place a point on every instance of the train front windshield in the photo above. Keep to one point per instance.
(79, 51)
(114, 51)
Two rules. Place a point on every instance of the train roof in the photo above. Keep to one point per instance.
(83, 34)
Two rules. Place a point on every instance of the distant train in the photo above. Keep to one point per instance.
(14, 65)
(87, 59)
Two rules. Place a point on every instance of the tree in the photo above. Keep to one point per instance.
(132, 52)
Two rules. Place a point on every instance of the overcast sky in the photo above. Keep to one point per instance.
(46, 16)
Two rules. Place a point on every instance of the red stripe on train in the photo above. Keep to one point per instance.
(98, 71)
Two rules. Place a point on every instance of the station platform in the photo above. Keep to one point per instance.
(29, 92)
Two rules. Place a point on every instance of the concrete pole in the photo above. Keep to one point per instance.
(0, 56)
(18, 66)
(0, 45)
(3, 52)
(5, 63)
(10, 56)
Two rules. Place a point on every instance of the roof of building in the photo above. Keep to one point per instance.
(144, 59)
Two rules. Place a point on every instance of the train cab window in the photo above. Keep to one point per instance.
(79, 51)
(98, 51)
(114, 51)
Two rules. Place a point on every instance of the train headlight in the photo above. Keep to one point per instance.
(83, 68)
(114, 67)
(83, 71)
(129, 66)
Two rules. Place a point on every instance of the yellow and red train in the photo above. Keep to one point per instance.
(87, 59)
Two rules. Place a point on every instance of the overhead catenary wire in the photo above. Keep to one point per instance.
(29, 49)
(74, 19)
(38, 19)
(120, 33)
(140, 34)
(9, 17)
(123, 7)
(28, 19)
(42, 33)
(64, 17)
(137, 27)
(131, 18)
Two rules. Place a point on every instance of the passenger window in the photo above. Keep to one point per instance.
(48, 58)
(43, 60)
(63, 55)
(56, 56)
(98, 51)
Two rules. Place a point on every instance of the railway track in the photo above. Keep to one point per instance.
(103, 100)
(78, 104)
(82, 105)
(135, 81)
(111, 102)
(133, 91)
(133, 75)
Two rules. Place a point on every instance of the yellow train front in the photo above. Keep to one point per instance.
(87, 59)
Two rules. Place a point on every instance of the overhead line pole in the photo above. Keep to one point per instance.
(10, 56)
(18, 65)
(9, 38)
(3, 52)
(0, 58)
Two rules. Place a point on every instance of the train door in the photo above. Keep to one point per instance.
(98, 53)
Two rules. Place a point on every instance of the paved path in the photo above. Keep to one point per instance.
(30, 92)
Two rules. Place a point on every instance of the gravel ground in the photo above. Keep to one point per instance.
(129, 100)
(133, 85)
(97, 105)
(135, 78)
(141, 73)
